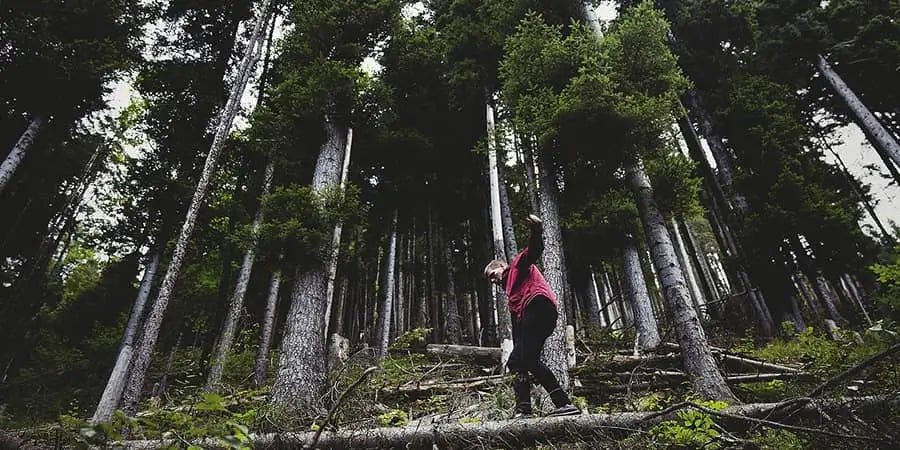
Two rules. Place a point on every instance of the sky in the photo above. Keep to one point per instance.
(861, 159)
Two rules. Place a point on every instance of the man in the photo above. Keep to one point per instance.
(533, 307)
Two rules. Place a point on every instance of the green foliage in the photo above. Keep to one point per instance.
(394, 418)
(773, 439)
(412, 339)
(770, 391)
(469, 420)
(694, 429)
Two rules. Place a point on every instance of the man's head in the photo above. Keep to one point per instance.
(496, 270)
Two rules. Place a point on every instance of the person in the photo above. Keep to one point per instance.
(533, 308)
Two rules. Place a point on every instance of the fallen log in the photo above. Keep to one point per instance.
(455, 385)
(739, 359)
(672, 380)
(464, 351)
(556, 430)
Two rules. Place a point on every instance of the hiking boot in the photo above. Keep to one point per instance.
(566, 410)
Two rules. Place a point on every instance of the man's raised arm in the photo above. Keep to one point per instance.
(535, 242)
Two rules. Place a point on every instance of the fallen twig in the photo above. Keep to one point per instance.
(318, 433)
(855, 369)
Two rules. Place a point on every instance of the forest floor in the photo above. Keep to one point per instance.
(800, 392)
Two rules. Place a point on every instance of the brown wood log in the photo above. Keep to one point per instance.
(522, 432)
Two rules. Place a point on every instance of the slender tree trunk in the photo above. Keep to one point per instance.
(530, 176)
(685, 262)
(433, 302)
(223, 347)
(644, 320)
(504, 325)
(387, 292)
(454, 327)
(17, 154)
(696, 353)
(336, 235)
(301, 378)
(268, 326)
(554, 355)
(886, 237)
(699, 263)
(877, 134)
(720, 182)
(154, 321)
(589, 297)
(854, 293)
(509, 233)
(112, 394)
(160, 388)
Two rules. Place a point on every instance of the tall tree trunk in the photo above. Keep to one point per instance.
(301, 377)
(816, 279)
(695, 254)
(877, 134)
(387, 292)
(796, 315)
(261, 366)
(530, 176)
(554, 355)
(226, 338)
(588, 293)
(454, 327)
(154, 321)
(644, 320)
(17, 154)
(336, 235)
(720, 182)
(112, 394)
(509, 233)
(433, 302)
(685, 262)
(504, 325)
(886, 237)
(695, 351)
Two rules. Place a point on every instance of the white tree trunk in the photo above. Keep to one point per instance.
(17, 154)
(226, 338)
(387, 292)
(336, 236)
(696, 353)
(301, 378)
(644, 320)
(112, 394)
(268, 325)
(870, 125)
(154, 321)
(504, 324)
(685, 262)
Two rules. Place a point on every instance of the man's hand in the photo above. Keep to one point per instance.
(534, 220)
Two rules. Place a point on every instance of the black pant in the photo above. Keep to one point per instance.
(529, 335)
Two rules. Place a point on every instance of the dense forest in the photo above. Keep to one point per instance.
(265, 223)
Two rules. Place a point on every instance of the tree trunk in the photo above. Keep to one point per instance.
(587, 289)
(336, 235)
(268, 325)
(17, 154)
(684, 261)
(387, 292)
(300, 382)
(454, 327)
(509, 233)
(154, 321)
(696, 353)
(644, 320)
(877, 134)
(240, 290)
(554, 355)
(504, 325)
(112, 394)
(696, 256)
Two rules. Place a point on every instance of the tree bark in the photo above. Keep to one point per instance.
(17, 154)
(870, 125)
(454, 327)
(336, 235)
(268, 325)
(387, 292)
(644, 320)
(226, 338)
(154, 321)
(696, 353)
(301, 377)
(554, 355)
(684, 261)
(112, 394)
(504, 325)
